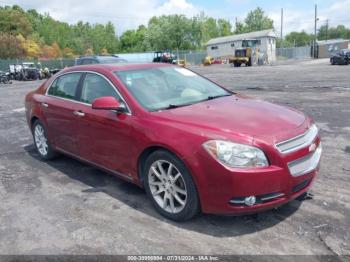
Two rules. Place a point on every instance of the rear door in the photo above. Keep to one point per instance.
(60, 109)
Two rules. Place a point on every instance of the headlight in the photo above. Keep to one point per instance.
(236, 155)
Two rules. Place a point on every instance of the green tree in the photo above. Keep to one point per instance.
(134, 40)
(325, 32)
(224, 27)
(14, 21)
(170, 32)
(256, 20)
(298, 39)
(206, 28)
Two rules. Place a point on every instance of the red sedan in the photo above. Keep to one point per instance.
(193, 145)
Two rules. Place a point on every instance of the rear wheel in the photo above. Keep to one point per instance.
(170, 186)
(41, 142)
(6, 80)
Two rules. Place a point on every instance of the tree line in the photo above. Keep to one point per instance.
(324, 33)
(30, 34)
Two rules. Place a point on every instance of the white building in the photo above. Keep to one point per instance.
(224, 47)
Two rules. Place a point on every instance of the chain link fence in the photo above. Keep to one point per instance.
(191, 57)
(56, 63)
(293, 53)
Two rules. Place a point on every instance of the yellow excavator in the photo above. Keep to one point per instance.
(248, 54)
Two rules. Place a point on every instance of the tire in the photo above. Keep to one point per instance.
(249, 62)
(237, 64)
(6, 80)
(176, 187)
(45, 151)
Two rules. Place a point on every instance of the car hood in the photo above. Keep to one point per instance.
(239, 116)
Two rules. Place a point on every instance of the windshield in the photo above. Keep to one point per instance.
(30, 65)
(168, 87)
(240, 53)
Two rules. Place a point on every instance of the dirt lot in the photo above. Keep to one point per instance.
(66, 207)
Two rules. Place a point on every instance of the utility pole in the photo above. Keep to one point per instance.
(282, 27)
(315, 32)
(327, 24)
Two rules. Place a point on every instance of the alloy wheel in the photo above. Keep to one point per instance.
(167, 186)
(40, 140)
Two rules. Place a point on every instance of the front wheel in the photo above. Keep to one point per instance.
(170, 187)
(6, 80)
(41, 142)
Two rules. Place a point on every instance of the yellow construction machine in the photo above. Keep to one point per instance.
(248, 54)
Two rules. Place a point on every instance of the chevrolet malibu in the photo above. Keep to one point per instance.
(193, 145)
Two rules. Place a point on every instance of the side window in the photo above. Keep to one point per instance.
(85, 62)
(65, 86)
(96, 86)
(52, 88)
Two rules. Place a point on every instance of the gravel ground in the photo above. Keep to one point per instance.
(66, 207)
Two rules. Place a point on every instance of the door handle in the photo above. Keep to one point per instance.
(79, 113)
(45, 104)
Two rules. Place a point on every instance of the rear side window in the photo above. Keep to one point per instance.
(87, 61)
(96, 86)
(65, 86)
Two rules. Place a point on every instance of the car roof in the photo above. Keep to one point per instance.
(115, 67)
(98, 56)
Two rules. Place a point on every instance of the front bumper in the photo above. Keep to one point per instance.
(223, 190)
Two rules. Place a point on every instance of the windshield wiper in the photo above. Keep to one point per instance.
(217, 96)
(171, 106)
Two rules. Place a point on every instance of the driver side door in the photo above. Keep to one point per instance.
(105, 137)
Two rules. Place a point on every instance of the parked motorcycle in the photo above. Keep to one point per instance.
(5, 77)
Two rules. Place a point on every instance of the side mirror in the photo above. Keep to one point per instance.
(108, 103)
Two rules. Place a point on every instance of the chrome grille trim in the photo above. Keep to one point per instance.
(272, 196)
(298, 142)
(306, 164)
(260, 199)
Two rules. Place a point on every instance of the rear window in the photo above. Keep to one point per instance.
(111, 60)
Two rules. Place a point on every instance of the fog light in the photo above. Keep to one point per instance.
(249, 201)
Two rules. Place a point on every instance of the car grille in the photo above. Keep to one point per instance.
(298, 142)
(306, 164)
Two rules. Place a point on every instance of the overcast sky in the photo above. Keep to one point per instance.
(128, 14)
